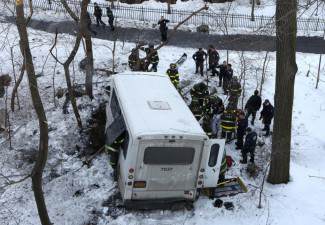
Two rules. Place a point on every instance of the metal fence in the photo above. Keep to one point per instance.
(215, 21)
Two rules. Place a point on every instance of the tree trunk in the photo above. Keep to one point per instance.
(70, 87)
(89, 66)
(89, 49)
(39, 109)
(286, 68)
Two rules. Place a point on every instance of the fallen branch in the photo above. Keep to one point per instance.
(317, 177)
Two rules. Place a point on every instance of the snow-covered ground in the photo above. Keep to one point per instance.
(74, 194)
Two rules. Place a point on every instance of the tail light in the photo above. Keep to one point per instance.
(139, 184)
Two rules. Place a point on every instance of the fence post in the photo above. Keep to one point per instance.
(142, 10)
(317, 24)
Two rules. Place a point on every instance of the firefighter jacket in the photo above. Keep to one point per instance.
(133, 60)
(173, 76)
(228, 120)
(114, 149)
(198, 93)
(152, 55)
(235, 88)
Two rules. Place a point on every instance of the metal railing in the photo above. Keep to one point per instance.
(214, 20)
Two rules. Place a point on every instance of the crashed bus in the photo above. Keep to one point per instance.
(165, 157)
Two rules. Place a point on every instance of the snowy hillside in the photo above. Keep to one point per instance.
(75, 193)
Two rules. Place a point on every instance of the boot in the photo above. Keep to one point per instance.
(252, 123)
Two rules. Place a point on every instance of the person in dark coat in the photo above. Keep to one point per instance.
(267, 116)
(242, 124)
(253, 105)
(249, 146)
(222, 73)
(110, 16)
(213, 59)
(227, 78)
(163, 28)
(199, 58)
(98, 14)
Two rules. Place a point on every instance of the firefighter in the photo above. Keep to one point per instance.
(228, 124)
(110, 16)
(234, 92)
(227, 78)
(198, 93)
(253, 105)
(134, 60)
(114, 150)
(163, 28)
(249, 146)
(267, 114)
(242, 124)
(98, 14)
(173, 74)
(213, 59)
(151, 57)
(199, 58)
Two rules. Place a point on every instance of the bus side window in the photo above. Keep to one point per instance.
(214, 152)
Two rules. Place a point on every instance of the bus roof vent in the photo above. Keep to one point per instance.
(159, 105)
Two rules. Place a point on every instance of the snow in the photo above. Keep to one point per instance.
(75, 193)
(137, 90)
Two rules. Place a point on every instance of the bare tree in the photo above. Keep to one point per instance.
(85, 32)
(265, 64)
(286, 69)
(37, 172)
(66, 66)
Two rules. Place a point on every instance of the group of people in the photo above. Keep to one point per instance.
(214, 116)
(98, 13)
(148, 63)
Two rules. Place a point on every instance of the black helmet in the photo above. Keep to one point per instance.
(256, 92)
(151, 45)
(248, 129)
(173, 66)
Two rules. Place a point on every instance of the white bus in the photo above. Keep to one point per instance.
(166, 157)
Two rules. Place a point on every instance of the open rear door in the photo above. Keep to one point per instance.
(211, 161)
